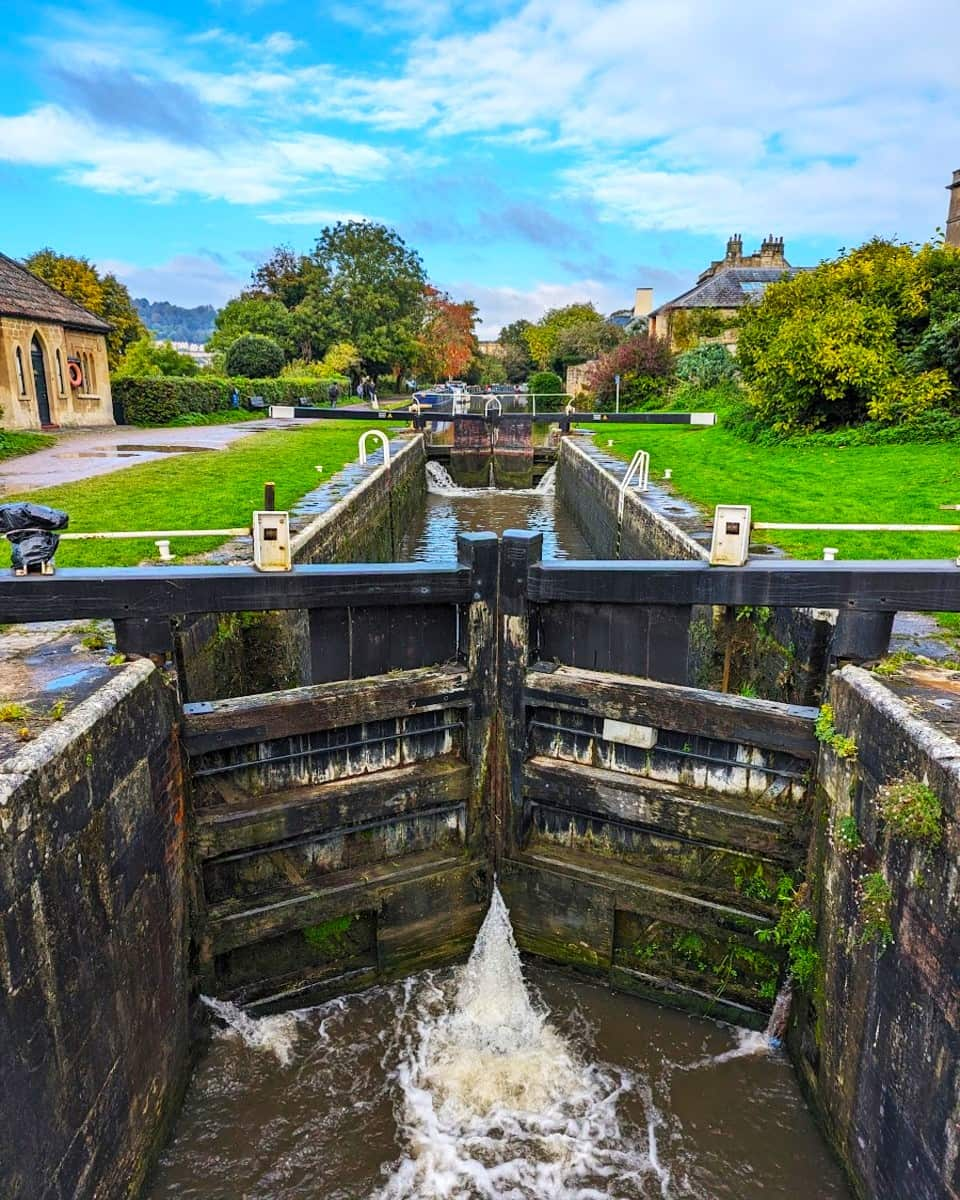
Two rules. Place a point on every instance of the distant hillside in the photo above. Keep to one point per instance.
(170, 321)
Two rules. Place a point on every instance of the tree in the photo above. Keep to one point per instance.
(645, 367)
(253, 314)
(842, 343)
(542, 338)
(585, 340)
(486, 369)
(447, 343)
(361, 284)
(144, 358)
(254, 356)
(103, 295)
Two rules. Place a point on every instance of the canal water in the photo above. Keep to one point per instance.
(477, 1084)
(449, 510)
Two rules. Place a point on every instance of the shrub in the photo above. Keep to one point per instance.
(254, 356)
(645, 367)
(545, 385)
(158, 401)
(706, 366)
(796, 932)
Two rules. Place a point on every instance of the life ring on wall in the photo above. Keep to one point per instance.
(76, 375)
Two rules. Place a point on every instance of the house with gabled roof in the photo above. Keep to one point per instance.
(54, 369)
(708, 310)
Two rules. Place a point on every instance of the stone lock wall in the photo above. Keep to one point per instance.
(878, 1042)
(93, 960)
(359, 516)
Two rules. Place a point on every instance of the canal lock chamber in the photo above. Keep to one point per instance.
(358, 775)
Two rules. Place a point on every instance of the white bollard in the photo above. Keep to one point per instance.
(830, 553)
(668, 472)
(163, 548)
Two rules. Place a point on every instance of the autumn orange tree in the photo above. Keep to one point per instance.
(447, 343)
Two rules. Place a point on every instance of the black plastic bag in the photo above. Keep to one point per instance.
(29, 528)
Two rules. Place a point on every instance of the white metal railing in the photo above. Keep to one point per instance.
(639, 468)
(384, 441)
(492, 400)
(733, 524)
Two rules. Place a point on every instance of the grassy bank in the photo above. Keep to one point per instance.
(12, 445)
(792, 482)
(212, 489)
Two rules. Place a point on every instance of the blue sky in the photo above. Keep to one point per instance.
(535, 152)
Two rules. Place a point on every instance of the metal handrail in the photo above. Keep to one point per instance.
(384, 441)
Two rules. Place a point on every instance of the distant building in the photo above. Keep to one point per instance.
(53, 356)
(723, 288)
(642, 304)
(496, 349)
(953, 212)
(195, 350)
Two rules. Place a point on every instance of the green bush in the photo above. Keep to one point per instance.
(158, 401)
(255, 356)
(706, 366)
(545, 385)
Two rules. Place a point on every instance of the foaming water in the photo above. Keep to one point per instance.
(497, 1103)
(487, 1082)
(276, 1033)
(441, 483)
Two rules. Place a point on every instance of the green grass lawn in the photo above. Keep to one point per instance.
(202, 490)
(12, 445)
(902, 483)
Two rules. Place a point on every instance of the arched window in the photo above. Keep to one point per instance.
(91, 374)
(21, 378)
(60, 373)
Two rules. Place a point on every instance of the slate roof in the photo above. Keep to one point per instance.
(726, 288)
(24, 295)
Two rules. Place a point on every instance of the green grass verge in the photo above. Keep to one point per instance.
(231, 416)
(12, 445)
(856, 484)
(200, 490)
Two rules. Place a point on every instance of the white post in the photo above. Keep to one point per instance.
(384, 441)
(616, 380)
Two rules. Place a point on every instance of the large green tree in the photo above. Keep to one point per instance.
(361, 284)
(255, 314)
(573, 333)
(145, 359)
(103, 295)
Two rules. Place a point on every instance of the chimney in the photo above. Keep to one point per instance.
(643, 302)
(734, 248)
(953, 213)
(772, 251)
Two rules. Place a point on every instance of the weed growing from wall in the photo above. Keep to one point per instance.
(827, 733)
(796, 932)
(912, 811)
(846, 835)
(876, 899)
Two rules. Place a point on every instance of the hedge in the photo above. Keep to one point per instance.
(158, 400)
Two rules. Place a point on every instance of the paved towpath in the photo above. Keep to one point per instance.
(81, 454)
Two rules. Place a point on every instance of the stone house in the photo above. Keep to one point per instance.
(702, 313)
(54, 369)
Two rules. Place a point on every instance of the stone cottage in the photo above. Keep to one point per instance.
(53, 356)
(703, 312)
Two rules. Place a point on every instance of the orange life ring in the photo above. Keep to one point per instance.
(76, 375)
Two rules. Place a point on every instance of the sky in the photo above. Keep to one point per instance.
(535, 153)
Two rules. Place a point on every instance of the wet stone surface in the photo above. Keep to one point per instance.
(45, 671)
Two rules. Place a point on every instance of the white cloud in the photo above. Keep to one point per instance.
(255, 170)
(498, 306)
(187, 279)
(313, 216)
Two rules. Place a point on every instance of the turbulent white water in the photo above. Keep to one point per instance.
(495, 1103)
(277, 1033)
(441, 483)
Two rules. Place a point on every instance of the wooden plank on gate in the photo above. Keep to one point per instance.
(219, 724)
(763, 723)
